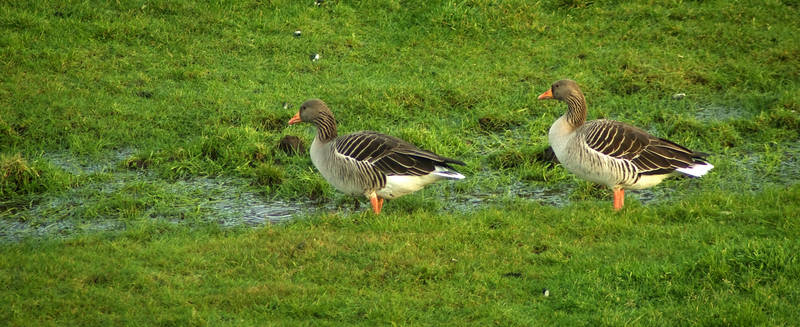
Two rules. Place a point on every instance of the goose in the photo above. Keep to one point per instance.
(615, 154)
(369, 163)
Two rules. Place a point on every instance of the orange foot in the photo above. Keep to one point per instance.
(619, 199)
(377, 204)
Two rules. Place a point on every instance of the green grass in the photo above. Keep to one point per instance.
(123, 114)
(722, 260)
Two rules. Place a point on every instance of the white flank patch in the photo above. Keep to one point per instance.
(399, 185)
(696, 170)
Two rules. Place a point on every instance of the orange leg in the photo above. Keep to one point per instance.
(377, 204)
(619, 198)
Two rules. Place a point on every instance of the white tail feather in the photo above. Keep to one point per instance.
(447, 173)
(696, 170)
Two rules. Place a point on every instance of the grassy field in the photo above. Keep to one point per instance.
(139, 166)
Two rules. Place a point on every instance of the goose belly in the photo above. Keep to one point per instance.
(399, 185)
(598, 171)
(594, 166)
(342, 183)
(342, 175)
(609, 171)
(587, 163)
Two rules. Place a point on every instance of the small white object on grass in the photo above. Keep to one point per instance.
(678, 96)
(545, 292)
(315, 57)
(297, 33)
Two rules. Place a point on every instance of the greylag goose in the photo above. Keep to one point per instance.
(376, 165)
(612, 153)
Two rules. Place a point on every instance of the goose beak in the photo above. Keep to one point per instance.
(295, 119)
(546, 95)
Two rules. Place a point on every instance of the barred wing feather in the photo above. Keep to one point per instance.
(389, 154)
(650, 155)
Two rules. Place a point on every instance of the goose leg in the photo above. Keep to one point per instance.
(619, 198)
(377, 203)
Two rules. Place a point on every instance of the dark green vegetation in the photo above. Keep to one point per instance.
(131, 132)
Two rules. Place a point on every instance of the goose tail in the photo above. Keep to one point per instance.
(447, 173)
(699, 168)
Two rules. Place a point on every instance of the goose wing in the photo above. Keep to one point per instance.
(651, 155)
(389, 154)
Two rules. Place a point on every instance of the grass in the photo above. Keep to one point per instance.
(121, 114)
(725, 260)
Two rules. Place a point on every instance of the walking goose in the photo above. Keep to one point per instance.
(612, 153)
(376, 165)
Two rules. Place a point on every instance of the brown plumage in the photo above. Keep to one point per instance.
(612, 153)
(376, 165)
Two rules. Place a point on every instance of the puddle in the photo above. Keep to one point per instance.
(557, 196)
(227, 201)
(12, 231)
(777, 164)
(789, 168)
(719, 113)
(232, 202)
(81, 165)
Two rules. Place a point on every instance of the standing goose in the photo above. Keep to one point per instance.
(376, 165)
(612, 153)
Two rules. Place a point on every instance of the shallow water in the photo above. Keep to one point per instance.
(233, 202)
(83, 165)
(720, 113)
(227, 201)
(556, 195)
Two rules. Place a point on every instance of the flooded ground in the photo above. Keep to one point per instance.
(232, 202)
(227, 201)
(720, 113)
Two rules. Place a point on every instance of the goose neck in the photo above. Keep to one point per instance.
(326, 127)
(576, 109)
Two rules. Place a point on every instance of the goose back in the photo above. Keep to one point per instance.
(389, 154)
(369, 161)
(615, 153)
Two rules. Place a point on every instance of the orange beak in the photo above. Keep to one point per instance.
(295, 119)
(546, 95)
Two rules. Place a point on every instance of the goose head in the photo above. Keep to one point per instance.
(562, 90)
(310, 111)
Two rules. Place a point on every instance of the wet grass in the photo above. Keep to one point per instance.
(140, 142)
(720, 259)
